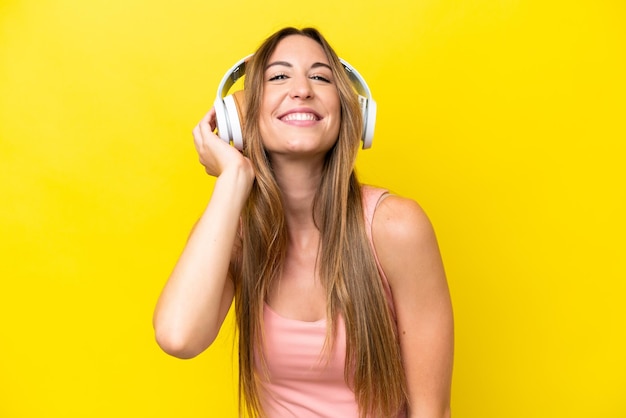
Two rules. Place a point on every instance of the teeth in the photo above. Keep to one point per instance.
(300, 116)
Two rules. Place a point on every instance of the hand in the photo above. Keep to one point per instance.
(215, 154)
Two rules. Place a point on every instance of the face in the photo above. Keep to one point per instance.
(300, 108)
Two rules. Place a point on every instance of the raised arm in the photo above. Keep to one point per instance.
(407, 249)
(199, 292)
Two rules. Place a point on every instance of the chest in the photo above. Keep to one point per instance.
(298, 293)
(294, 351)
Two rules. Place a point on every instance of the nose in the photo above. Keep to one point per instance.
(301, 88)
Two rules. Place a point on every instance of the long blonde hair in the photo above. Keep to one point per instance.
(348, 269)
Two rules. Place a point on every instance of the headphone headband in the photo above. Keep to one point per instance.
(230, 78)
(228, 118)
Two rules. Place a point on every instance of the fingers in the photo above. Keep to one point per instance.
(197, 137)
(214, 153)
(207, 123)
(210, 119)
(204, 129)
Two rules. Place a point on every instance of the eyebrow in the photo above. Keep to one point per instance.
(287, 64)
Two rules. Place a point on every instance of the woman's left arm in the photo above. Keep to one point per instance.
(409, 255)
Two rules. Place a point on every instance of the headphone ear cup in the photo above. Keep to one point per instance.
(229, 114)
(368, 110)
(221, 118)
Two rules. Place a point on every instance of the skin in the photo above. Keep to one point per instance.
(196, 298)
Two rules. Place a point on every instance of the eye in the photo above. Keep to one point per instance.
(319, 77)
(277, 77)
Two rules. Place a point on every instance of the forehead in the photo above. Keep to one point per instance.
(300, 49)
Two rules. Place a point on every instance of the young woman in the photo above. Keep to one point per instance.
(341, 299)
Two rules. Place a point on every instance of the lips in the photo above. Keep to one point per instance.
(300, 115)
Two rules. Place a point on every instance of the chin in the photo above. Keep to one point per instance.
(305, 146)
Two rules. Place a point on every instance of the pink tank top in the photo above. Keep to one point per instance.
(302, 381)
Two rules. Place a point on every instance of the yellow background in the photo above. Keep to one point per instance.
(503, 118)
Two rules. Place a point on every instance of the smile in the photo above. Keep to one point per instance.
(299, 117)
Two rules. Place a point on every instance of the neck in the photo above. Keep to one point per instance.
(299, 183)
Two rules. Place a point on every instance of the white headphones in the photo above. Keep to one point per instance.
(229, 108)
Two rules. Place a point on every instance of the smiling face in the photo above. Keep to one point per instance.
(300, 109)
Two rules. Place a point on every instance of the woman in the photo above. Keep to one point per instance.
(341, 299)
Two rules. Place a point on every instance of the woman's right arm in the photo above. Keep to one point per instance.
(199, 292)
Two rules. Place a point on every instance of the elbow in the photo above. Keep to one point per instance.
(179, 344)
(175, 347)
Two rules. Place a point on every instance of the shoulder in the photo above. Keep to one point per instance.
(399, 219)
(403, 237)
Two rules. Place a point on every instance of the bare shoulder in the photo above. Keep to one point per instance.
(398, 221)
(405, 242)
